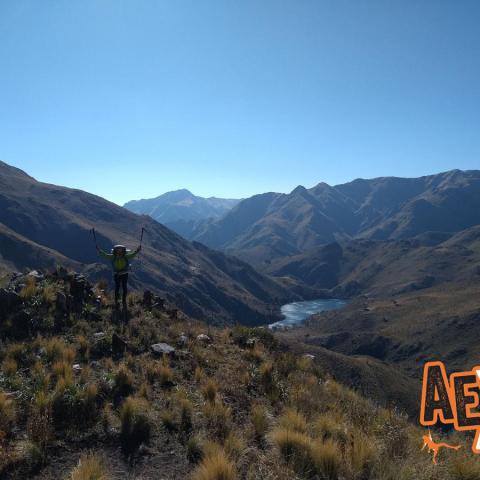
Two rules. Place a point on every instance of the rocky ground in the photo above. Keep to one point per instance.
(89, 392)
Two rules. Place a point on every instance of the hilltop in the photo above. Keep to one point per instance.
(181, 210)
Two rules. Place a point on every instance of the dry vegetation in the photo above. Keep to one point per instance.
(238, 407)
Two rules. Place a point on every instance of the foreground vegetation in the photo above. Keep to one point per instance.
(84, 397)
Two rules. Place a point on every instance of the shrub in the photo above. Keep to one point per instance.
(90, 467)
(7, 414)
(215, 467)
(135, 424)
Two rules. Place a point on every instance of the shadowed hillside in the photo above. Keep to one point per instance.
(41, 225)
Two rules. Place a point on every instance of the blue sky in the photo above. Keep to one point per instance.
(129, 99)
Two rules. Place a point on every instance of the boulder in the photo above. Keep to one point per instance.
(162, 349)
(203, 338)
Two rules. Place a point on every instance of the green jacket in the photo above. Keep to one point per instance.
(120, 264)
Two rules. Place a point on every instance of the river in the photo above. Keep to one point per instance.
(297, 312)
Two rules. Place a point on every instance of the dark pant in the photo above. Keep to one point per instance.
(121, 280)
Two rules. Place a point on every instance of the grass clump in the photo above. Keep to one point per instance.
(210, 390)
(135, 424)
(306, 456)
(259, 421)
(215, 467)
(7, 414)
(218, 418)
(90, 467)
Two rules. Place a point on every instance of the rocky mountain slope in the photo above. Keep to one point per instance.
(181, 210)
(86, 395)
(42, 225)
(271, 226)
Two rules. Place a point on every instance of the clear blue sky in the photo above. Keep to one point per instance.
(129, 99)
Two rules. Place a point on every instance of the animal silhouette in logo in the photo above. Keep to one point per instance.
(435, 447)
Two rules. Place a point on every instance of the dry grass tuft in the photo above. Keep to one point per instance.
(210, 390)
(7, 414)
(90, 467)
(135, 424)
(293, 421)
(259, 421)
(215, 467)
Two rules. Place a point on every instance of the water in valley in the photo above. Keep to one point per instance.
(297, 312)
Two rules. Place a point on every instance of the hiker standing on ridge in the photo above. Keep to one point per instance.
(120, 262)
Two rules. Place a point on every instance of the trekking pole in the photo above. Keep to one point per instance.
(141, 236)
(94, 237)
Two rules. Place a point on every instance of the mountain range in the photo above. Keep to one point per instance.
(42, 225)
(181, 210)
(270, 226)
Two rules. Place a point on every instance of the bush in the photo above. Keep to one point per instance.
(215, 467)
(135, 424)
(90, 467)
